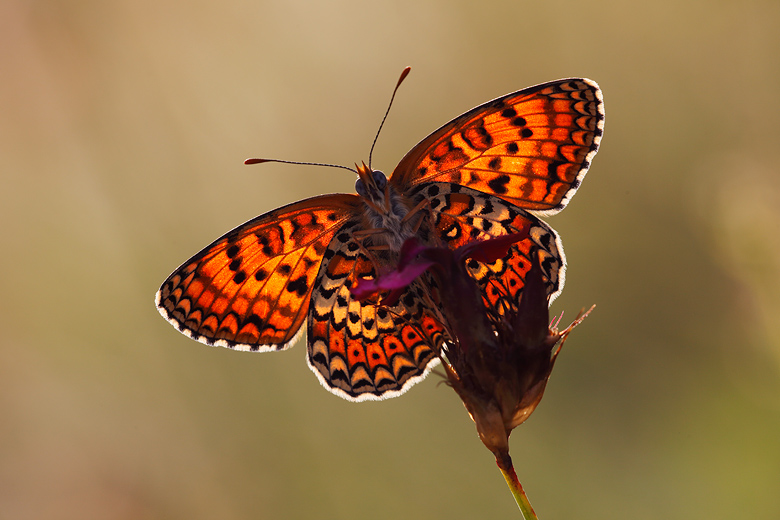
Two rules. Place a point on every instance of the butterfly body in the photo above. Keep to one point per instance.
(487, 173)
(387, 221)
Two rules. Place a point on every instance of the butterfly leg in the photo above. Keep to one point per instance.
(361, 235)
(423, 205)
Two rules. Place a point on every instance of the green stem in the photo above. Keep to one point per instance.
(504, 462)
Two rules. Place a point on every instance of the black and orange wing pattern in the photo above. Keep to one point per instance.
(250, 289)
(531, 148)
(361, 350)
(462, 215)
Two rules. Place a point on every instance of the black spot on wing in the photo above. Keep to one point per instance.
(298, 286)
(519, 121)
(498, 184)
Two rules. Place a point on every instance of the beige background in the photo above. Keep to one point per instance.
(123, 126)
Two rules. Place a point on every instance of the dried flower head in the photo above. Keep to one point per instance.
(498, 364)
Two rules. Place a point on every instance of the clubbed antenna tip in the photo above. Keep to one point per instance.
(404, 73)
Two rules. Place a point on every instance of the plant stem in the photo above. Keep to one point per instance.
(504, 462)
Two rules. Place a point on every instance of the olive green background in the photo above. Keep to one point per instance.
(123, 127)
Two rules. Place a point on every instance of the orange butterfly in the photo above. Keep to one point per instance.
(486, 173)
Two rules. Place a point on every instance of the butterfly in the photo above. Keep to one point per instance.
(489, 172)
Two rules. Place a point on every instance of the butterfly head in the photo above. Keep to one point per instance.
(371, 184)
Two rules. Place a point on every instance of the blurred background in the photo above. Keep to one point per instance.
(123, 127)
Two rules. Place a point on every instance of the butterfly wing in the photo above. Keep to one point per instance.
(461, 215)
(361, 350)
(249, 289)
(531, 148)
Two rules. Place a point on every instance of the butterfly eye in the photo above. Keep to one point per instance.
(379, 179)
(360, 188)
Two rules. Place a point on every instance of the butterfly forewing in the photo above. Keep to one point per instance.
(531, 148)
(250, 289)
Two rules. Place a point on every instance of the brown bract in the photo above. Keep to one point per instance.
(499, 367)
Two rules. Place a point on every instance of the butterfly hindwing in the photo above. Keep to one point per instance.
(462, 215)
(249, 289)
(361, 350)
(531, 148)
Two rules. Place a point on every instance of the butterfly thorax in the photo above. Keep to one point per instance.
(385, 211)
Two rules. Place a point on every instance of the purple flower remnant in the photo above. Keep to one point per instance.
(498, 365)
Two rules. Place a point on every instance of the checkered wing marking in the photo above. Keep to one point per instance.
(359, 350)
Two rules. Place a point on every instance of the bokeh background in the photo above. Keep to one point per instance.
(123, 127)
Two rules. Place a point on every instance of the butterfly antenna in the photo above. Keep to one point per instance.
(404, 73)
(258, 161)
